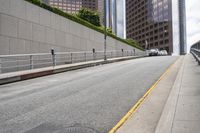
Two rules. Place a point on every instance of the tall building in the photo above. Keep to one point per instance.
(157, 24)
(73, 6)
(116, 17)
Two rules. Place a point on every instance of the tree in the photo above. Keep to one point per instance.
(109, 30)
(90, 16)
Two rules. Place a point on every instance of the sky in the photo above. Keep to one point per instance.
(193, 21)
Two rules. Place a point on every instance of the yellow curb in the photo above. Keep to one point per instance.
(139, 103)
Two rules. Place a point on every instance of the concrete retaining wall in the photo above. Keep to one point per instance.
(26, 28)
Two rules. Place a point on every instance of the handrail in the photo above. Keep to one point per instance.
(16, 62)
(195, 51)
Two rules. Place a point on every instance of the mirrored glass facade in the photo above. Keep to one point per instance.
(116, 17)
(73, 6)
(155, 24)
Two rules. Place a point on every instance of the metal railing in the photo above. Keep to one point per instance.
(18, 62)
(195, 50)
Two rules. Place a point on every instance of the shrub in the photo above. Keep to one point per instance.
(90, 16)
(109, 30)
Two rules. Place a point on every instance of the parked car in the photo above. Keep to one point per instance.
(164, 52)
(154, 52)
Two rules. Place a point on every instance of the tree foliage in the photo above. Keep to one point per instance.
(109, 30)
(90, 16)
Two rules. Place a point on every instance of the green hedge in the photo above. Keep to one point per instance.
(81, 21)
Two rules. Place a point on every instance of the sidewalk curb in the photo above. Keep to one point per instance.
(52, 70)
(165, 123)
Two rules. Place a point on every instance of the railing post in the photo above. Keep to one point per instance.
(122, 52)
(133, 52)
(53, 57)
(85, 56)
(71, 57)
(54, 60)
(0, 65)
(31, 61)
(93, 51)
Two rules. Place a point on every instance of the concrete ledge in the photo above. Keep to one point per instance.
(29, 74)
(167, 117)
(9, 79)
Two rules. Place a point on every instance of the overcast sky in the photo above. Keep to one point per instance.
(193, 21)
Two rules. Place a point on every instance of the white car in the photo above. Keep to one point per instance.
(164, 52)
(154, 52)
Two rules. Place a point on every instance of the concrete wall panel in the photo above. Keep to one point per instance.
(5, 6)
(27, 28)
(98, 37)
(57, 22)
(8, 25)
(34, 47)
(32, 13)
(17, 46)
(4, 45)
(27, 47)
(24, 29)
(50, 35)
(18, 8)
(38, 33)
(75, 28)
(45, 18)
(44, 47)
(85, 32)
(91, 34)
(64, 24)
(60, 38)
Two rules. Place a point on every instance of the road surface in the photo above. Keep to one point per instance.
(90, 100)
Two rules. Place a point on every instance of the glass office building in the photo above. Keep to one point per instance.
(157, 24)
(116, 17)
(73, 6)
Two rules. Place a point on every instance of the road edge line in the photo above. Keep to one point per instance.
(140, 101)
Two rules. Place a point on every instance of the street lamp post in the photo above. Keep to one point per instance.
(146, 46)
(105, 32)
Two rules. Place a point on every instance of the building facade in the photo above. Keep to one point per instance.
(116, 17)
(73, 6)
(157, 24)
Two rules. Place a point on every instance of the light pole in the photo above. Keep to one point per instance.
(105, 32)
(146, 46)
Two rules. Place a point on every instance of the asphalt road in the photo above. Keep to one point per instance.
(90, 100)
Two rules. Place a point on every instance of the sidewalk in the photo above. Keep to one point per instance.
(174, 104)
(34, 73)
